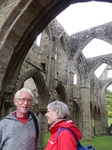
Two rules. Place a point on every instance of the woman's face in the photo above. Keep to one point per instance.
(52, 117)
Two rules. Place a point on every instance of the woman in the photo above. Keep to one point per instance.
(57, 116)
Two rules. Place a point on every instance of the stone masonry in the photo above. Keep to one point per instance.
(49, 69)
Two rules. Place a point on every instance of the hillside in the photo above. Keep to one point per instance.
(109, 103)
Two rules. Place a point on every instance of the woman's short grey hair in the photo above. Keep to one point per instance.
(60, 108)
(23, 90)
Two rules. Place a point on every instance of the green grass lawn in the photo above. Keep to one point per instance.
(99, 142)
(47, 135)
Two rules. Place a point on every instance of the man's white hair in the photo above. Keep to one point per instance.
(24, 90)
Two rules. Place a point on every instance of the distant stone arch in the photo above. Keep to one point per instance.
(61, 91)
(87, 38)
(77, 114)
(100, 60)
(42, 88)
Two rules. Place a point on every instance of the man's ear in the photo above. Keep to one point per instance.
(15, 101)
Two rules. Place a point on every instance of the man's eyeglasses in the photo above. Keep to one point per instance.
(22, 100)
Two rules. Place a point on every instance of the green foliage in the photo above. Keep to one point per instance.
(109, 103)
(109, 92)
(109, 108)
(109, 121)
(109, 114)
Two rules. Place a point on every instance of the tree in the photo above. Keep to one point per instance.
(109, 102)
(110, 114)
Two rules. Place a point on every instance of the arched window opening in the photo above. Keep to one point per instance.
(110, 87)
(30, 84)
(97, 48)
(110, 74)
(75, 79)
(56, 53)
(100, 70)
(38, 39)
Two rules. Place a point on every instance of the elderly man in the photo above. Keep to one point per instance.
(17, 130)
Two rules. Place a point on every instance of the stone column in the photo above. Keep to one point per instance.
(8, 104)
(91, 111)
(96, 125)
(42, 120)
(104, 115)
(70, 92)
(86, 127)
(100, 131)
(92, 127)
(51, 65)
(8, 107)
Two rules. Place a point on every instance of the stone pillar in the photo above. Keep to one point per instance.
(51, 65)
(8, 104)
(42, 120)
(104, 115)
(92, 97)
(99, 126)
(7, 96)
(0, 105)
(8, 107)
(86, 127)
(100, 132)
(70, 92)
(92, 127)
(96, 125)
(95, 95)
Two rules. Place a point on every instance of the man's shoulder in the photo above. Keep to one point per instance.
(7, 117)
(3, 120)
(34, 115)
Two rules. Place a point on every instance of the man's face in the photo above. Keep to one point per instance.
(23, 104)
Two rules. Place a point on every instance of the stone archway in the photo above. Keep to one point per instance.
(40, 84)
(20, 28)
(77, 115)
(21, 25)
(62, 93)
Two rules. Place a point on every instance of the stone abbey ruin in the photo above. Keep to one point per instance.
(49, 69)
